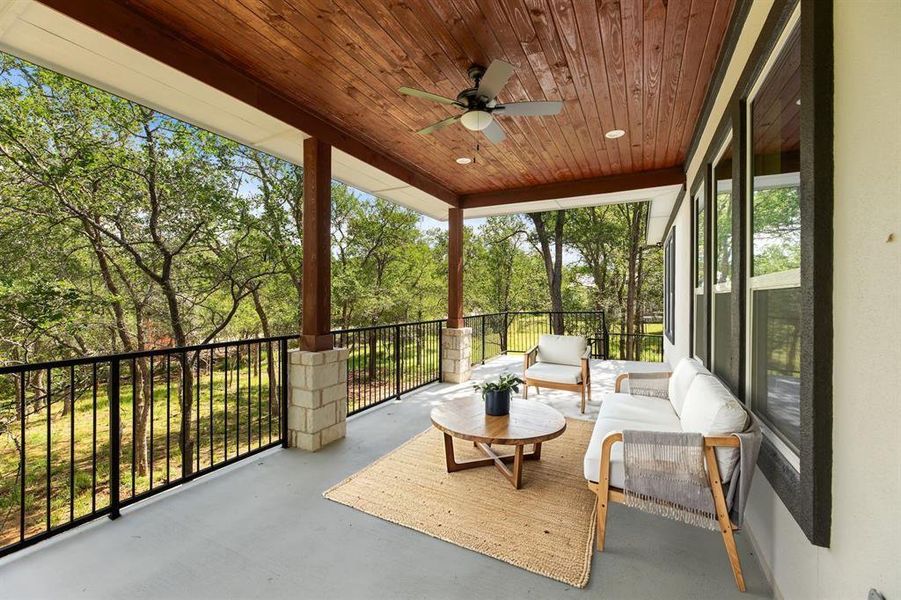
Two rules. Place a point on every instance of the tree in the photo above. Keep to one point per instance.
(553, 259)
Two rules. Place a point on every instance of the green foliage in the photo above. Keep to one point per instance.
(505, 383)
(776, 222)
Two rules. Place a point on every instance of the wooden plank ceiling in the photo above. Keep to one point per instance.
(642, 66)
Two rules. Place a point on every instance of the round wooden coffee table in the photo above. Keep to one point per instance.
(529, 422)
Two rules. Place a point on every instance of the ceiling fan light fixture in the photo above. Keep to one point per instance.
(476, 120)
(614, 133)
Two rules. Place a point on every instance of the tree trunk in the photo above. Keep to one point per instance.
(553, 264)
(270, 364)
(373, 348)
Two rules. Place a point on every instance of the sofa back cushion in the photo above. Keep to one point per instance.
(561, 349)
(711, 409)
(685, 373)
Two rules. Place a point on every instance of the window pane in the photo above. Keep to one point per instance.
(776, 361)
(775, 139)
(700, 333)
(700, 223)
(722, 221)
(722, 267)
(722, 330)
(775, 222)
(669, 278)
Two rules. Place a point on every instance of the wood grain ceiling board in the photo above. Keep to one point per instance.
(638, 65)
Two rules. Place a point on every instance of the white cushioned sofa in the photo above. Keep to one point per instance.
(688, 400)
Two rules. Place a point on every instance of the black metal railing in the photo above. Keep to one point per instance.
(634, 346)
(85, 437)
(386, 361)
(525, 328)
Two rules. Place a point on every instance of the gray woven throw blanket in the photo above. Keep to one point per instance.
(665, 476)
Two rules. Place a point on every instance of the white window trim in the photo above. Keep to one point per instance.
(778, 280)
(775, 281)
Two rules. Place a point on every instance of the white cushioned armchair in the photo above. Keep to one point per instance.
(559, 362)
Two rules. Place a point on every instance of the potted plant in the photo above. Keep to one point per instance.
(496, 394)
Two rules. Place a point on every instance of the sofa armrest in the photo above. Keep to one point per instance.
(617, 386)
(530, 356)
(713, 441)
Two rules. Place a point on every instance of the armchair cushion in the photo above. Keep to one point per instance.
(680, 381)
(561, 349)
(557, 373)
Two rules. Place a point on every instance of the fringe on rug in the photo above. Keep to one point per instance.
(665, 476)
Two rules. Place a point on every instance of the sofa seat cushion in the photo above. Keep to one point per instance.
(561, 349)
(711, 409)
(624, 411)
(681, 379)
(555, 373)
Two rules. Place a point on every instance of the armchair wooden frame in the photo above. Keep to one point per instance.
(583, 387)
(607, 493)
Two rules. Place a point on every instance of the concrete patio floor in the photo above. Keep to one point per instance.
(262, 529)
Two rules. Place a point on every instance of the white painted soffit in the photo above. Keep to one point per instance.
(43, 36)
(662, 200)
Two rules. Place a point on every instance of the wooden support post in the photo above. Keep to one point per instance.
(317, 253)
(455, 268)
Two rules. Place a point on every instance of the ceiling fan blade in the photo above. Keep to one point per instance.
(439, 125)
(494, 133)
(425, 95)
(529, 109)
(494, 79)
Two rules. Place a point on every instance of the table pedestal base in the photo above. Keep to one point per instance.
(517, 458)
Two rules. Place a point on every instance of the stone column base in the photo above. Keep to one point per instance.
(317, 401)
(456, 354)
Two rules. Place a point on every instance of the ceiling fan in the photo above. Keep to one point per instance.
(480, 105)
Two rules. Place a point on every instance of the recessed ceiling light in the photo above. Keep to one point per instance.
(798, 102)
(464, 160)
(615, 133)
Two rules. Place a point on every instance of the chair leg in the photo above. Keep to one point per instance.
(603, 489)
(722, 517)
(525, 392)
(583, 399)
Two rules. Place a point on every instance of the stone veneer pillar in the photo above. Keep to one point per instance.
(456, 354)
(317, 403)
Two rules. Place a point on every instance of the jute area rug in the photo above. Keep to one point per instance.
(546, 527)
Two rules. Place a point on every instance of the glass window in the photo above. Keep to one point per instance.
(775, 246)
(722, 264)
(669, 286)
(699, 335)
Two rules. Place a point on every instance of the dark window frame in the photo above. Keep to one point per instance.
(806, 494)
